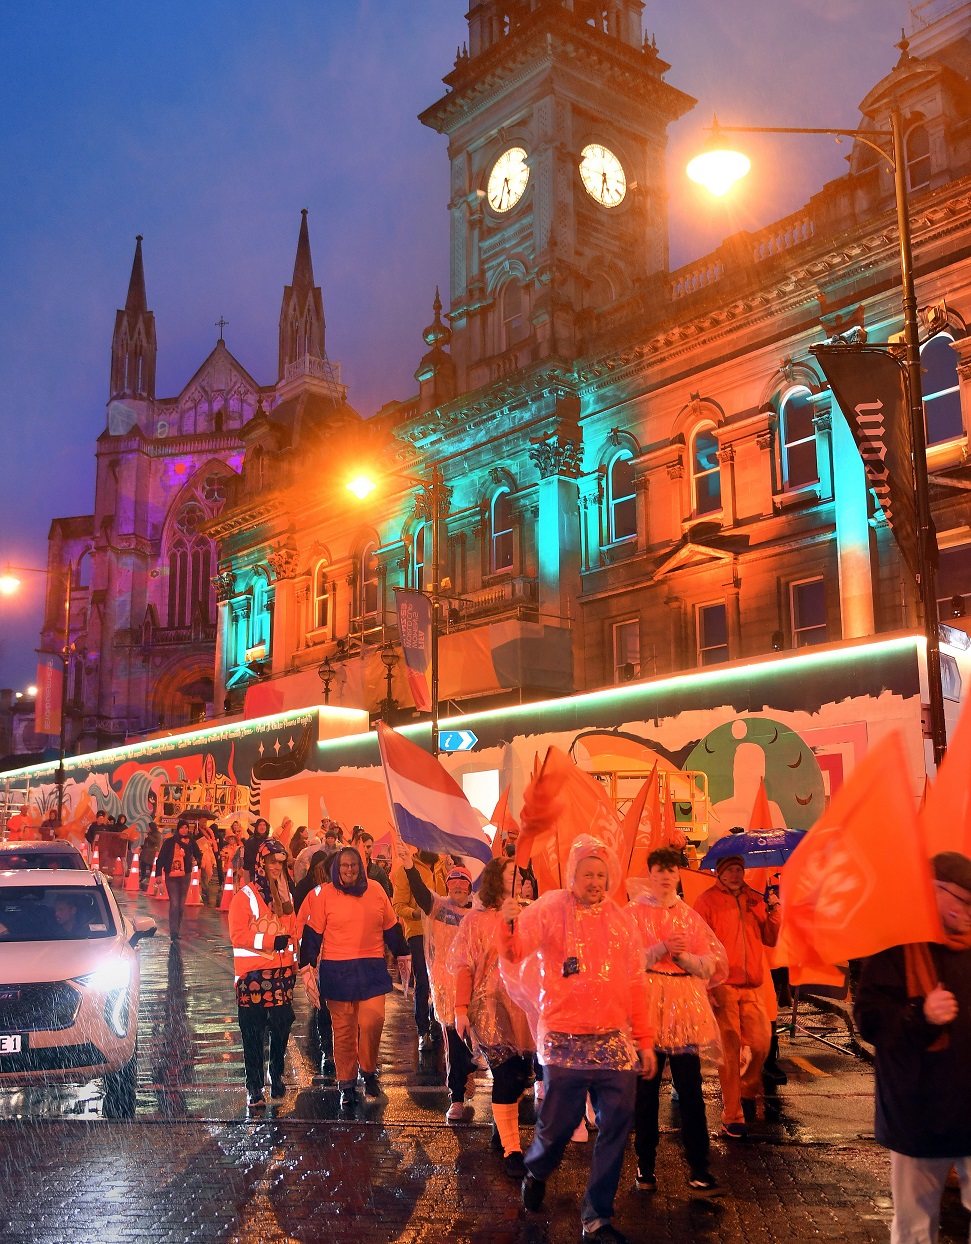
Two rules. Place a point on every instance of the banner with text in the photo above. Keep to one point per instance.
(47, 705)
(414, 611)
(870, 386)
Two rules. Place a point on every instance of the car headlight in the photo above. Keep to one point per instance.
(115, 974)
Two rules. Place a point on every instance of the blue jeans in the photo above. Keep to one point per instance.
(612, 1094)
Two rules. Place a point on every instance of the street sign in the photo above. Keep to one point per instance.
(457, 740)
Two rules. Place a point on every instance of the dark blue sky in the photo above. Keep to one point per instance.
(208, 126)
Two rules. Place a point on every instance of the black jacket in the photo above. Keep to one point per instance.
(163, 861)
(923, 1096)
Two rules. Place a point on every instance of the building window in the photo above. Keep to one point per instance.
(321, 598)
(627, 650)
(369, 582)
(418, 559)
(513, 311)
(621, 505)
(798, 439)
(939, 385)
(712, 634)
(954, 583)
(190, 581)
(259, 622)
(502, 539)
(807, 601)
(918, 158)
(705, 471)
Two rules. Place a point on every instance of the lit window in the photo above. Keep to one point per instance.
(954, 583)
(939, 385)
(418, 560)
(808, 603)
(321, 598)
(502, 550)
(369, 582)
(712, 634)
(622, 507)
(514, 327)
(705, 471)
(259, 633)
(627, 650)
(798, 437)
(918, 158)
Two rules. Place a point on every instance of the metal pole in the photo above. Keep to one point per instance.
(436, 487)
(65, 671)
(926, 575)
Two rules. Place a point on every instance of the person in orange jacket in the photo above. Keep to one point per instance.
(743, 924)
(263, 929)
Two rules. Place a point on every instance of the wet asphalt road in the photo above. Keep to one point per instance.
(192, 1166)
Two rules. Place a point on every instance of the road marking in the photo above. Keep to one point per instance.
(806, 1065)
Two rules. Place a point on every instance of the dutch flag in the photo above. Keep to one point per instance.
(429, 807)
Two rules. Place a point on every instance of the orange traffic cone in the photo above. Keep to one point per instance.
(194, 898)
(95, 858)
(228, 890)
(131, 881)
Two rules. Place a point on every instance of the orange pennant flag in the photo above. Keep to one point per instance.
(860, 880)
(505, 825)
(946, 811)
(637, 841)
(761, 817)
(694, 884)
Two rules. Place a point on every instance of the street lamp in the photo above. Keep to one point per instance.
(717, 168)
(430, 504)
(325, 672)
(390, 659)
(9, 583)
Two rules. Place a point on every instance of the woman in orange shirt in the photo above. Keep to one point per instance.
(345, 928)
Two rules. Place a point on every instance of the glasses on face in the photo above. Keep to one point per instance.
(963, 902)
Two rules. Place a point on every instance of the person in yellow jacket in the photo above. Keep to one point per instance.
(262, 929)
(432, 871)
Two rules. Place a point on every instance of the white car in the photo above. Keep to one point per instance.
(69, 983)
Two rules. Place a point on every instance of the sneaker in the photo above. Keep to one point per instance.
(581, 1135)
(514, 1166)
(255, 1101)
(533, 1191)
(702, 1183)
(278, 1088)
(456, 1112)
(734, 1131)
(605, 1232)
(645, 1181)
(372, 1087)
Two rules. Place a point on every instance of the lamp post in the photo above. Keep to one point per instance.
(390, 659)
(325, 672)
(718, 168)
(9, 583)
(430, 505)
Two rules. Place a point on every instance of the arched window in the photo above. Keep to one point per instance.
(621, 505)
(797, 439)
(369, 582)
(513, 312)
(418, 559)
(321, 619)
(918, 147)
(705, 472)
(939, 385)
(502, 538)
(200, 585)
(259, 633)
(178, 583)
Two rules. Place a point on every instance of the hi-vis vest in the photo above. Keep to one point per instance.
(253, 927)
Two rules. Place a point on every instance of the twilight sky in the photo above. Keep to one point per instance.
(208, 126)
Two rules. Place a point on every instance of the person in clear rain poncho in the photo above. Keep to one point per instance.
(485, 1011)
(581, 957)
(684, 958)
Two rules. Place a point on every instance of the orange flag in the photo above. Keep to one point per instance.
(860, 881)
(505, 825)
(946, 811)
(637, 841)
(761, 817)
(694, 884)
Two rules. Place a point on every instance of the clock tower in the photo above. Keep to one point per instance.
(556, 114)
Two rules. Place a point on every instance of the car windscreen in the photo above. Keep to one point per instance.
(16, 860)
(40, 913)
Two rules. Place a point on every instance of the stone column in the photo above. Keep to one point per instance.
(558, 524)
(852, 534)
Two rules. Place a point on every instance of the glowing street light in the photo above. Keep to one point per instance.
(31, 690)
(719, 166)
(8, 583)
(361, 486)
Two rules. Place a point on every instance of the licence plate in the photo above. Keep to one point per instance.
(10, 1044)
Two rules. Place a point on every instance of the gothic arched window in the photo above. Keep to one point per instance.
(621, 504)
(321, 619)
(502, 537)
(918, 150)
(797, 439)
(939, 386)
(190, 562)
(705, 472)
(513, 312)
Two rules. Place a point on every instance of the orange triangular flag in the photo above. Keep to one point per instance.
(637, 843)
(694, 884)
(761, 817)
(505, 824)
(946, 814)
(860, 881)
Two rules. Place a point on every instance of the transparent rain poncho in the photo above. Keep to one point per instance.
(501, 1027)
(440, 927)
(579, 971)
(677, 991)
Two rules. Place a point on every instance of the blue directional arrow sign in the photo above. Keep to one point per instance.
(457, 740)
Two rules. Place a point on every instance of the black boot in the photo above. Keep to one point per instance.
(772, 1073)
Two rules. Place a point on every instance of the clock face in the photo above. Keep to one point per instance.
(507, 181)
(603, 175)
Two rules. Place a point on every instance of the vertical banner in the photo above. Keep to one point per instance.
(414, 611)
(870, 385)
(47, 705)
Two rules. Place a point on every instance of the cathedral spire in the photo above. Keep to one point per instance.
(133, 345)
(302, 312)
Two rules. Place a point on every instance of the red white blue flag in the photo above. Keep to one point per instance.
(430, 809)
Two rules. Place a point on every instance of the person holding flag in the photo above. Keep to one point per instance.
(593, 1034)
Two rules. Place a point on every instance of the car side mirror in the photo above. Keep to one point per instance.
(144, 927)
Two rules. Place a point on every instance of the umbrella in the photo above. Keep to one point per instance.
(760, 848)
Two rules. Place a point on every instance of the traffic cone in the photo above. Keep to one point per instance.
(131, 881)
(95, 858)
(194, 898)
(228, 890)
